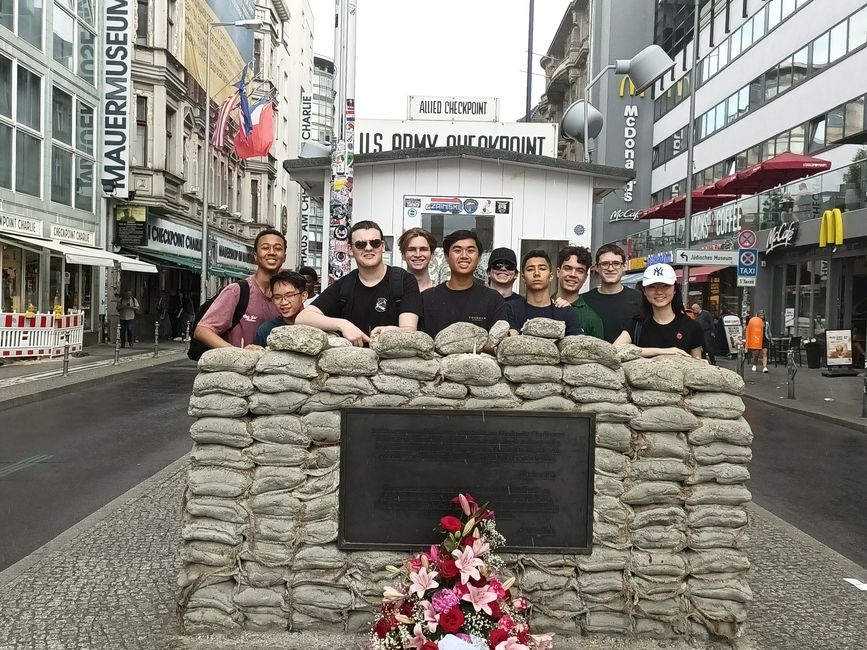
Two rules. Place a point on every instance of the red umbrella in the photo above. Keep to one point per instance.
(676, 208)
(779, 170)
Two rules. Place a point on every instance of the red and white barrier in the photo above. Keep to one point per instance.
(42, 335)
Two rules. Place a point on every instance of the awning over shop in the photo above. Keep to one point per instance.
(676, 208)
(699, 274)
(88, 256)
(167, 258)
(226, 272)
(779, 170)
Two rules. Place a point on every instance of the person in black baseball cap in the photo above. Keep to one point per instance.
(502, 272)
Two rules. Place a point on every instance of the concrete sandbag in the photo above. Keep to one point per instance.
(400, 344)
(218, 481)
(323, 401)
(706, 378)
(717, 561)
(222, 383)
(594, 374)
(500, 390)
(349, 361)
(722, 473)
(658, 516)
(471, 369)
(461, 338)
(664, 418)
(323, 427)
(341, 385)
(302, 339)
(279, 429)
(594, 394)
(220, 456)
(259, 575)
(222, 509)
(659, 537)
(446, 389)
(268, 478)
(211, 530)
(220, 406)
(498, 333)
(281, 503)
(646, 398)
(523, 350)
(275, 362)
(552, 403)
(282, 384)
(716, 516)
(721, 452)
(229, 359)
(735, 432)
(276, 403)
(715, 405)
(232, 432)
(613, 435)
(395, 385)
(218, 596)
(659, 373)
(661, 445)
(653, 492)
(603, 559)
(266, 453)
(587, 349)
(712, 493)
(533, 374)
(545, 328)
(420, 369)
(609, 411)
(539, 391)
(660, 469)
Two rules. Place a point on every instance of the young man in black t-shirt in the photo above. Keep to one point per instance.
(537, 274)
(369, 300)
(617, 306)
(460, 299)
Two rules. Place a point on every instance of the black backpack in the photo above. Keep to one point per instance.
(197, 348)
(347, 288)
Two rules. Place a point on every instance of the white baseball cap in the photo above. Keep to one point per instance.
(659, 274)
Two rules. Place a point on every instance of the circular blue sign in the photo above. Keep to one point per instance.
(470, 206)
(579, 230)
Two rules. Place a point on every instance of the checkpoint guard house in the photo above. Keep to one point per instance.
(501, 180)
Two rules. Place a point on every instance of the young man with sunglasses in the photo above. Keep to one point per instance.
(460, 299)
(288, 293)
(371, 299)
(617, 306)
(502, 272)
(215, 329)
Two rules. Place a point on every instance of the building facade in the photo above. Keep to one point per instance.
(773, 77)
(49, 97)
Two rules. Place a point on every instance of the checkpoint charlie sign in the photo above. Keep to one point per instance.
(374, 136)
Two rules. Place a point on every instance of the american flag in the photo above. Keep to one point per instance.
(218, 139)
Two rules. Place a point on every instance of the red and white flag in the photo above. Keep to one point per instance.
(261, 137)
(222, 120)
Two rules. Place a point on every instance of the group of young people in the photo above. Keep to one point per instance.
(376, 297)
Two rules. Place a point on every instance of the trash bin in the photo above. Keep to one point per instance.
(814, 355)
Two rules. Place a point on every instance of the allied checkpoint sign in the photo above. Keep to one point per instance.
(400, 469)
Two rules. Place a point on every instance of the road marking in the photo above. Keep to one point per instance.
(47, 374)
(23, 464)
(861, 586)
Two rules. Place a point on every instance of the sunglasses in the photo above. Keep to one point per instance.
(361, 244)
(503, 266)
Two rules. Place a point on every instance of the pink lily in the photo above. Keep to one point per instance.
(480, 546)
(543, 641)
(422, 581)
(431, 617)
(418, 638)
(465, 505)
(511, 643)
(392, 595)
(479, 597)
(435, 553)
(467, 563)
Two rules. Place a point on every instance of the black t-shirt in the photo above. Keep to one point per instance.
(370, 307)
(520, 314)
(477, 305)
(617, 310)
(682, 332)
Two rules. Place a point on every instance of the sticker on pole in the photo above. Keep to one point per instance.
(746, 239)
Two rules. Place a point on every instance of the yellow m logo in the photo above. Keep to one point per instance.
(623, 81)
(831, 228)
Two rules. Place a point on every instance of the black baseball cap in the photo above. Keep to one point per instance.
(502, 255)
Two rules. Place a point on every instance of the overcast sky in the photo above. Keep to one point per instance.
(472, 48)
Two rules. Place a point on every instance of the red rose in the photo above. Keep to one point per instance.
(430, 645)
(524, 635)
(450, 524)
(383, 625)
(479, 582)
(468, 540)
(406, 609)
(461, 590)
(448, 570)
(452, 620)
(496, 612)
(495, 637)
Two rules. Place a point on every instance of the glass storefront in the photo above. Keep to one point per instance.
(10, 290)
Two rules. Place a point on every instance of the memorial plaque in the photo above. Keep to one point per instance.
(400, 468)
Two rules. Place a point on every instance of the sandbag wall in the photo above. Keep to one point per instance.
(260, 510)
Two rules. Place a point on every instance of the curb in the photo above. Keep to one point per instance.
(68, 535)
(787, 405)
(42, 389)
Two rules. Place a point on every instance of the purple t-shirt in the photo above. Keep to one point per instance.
(260, 310)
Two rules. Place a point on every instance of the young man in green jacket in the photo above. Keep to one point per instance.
(573, 266)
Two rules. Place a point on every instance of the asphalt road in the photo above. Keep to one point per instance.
(812, 474)
(63, 458)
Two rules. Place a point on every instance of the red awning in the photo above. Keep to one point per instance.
(699, 274)
(779, 170)
(676, 208)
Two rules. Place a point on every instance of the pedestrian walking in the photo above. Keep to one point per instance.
(759, 339)
(127, 308)
(705, 321)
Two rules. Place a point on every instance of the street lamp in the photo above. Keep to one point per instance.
(247, 23)
(644, 69)
(690, 148)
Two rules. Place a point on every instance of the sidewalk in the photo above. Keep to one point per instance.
(833, 399)
(25, 381)
(110, 582)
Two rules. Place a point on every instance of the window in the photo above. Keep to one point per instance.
(86, 11)
(788, 7)
(7, 15)
(800, 65)
(785, 76)
(64, 37)
(757, 92)
(86, 51)
(760, 20)
(28, 163)
(29, 98)
(254, 200)
(170, 148)
(61, 175)
(257, 57)
(84, 128)
(140, 154)
(771, 83)
(817, 134)
(838, 42)
(61, 116)
(796, 140)
(171, 17)
(84, 184)
(21, 136)
(774, 16)
(141, 27)
(853, 117)
(5, 88)
(29, 16)
(820, 53)
(746, 31)
(858, 29)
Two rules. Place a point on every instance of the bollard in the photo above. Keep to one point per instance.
(791, 370)
(156, 338)
(741, 358)
(66, 358)
(117, 345)
(187, 338)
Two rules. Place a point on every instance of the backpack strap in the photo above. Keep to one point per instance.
(636, 332)
(395, 276)
(243, 301)
(346, 291)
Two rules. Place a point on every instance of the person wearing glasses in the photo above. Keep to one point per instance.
(288, 293)
(502, 271)
(216, 328)
(372, 298)
(617, 306)
(460, 299)
(573, 266)
(663, 327)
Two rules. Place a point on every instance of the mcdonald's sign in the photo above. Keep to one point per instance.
(831, 228)
(623, 80)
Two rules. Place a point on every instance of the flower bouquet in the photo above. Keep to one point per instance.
(454, 595)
